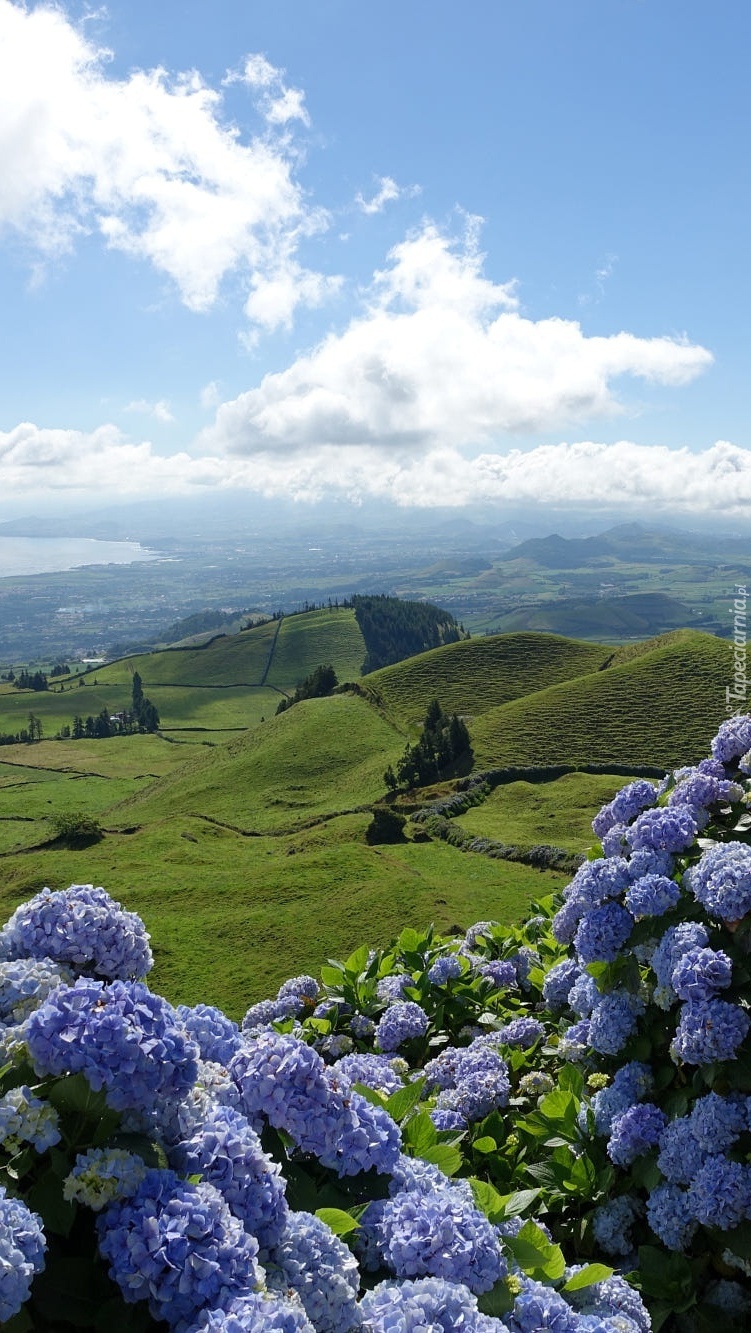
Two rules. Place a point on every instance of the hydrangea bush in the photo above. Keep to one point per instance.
(543, 1127)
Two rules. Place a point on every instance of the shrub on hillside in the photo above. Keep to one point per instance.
(76, 829)
(387, 825)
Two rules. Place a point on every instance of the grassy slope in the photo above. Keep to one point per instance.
(237, 659)
(232, 917)
(478, 674)
(322, 755)
(559, 813)
(660, 708)
(317, 638)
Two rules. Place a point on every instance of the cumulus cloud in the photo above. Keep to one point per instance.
(160, 410)
(149, 162)
(386, 193)
(441, 356)
(39, 461)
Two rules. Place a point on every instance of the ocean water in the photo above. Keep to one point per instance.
(50, 555)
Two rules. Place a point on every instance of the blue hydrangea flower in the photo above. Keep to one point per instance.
(584, 995)
(361, 1026)
(612, 1223)
(22, 1247)
(539, 1307)
(402, 1021)
(720, 1193)
(700, 973)
(311, 1261)
(83, 928)
(614, 842)
(593, 883)
(674, 944)
(522, 1032)
(501, 971)
(25, 1118)
(374, 1071)
(670, 1216)
(708, 1031)
(701, 790)
(437, 1235)
(216, 1036)
(227, 1153)
(392, 987)
(445, 1118)
(445, 968)
(602, 933)
(681, 1155)
(25, 983)
(650, 861)
(301, 989)
(428, 1303)
(254, 1312)
(717, 1121)
(613, 1020)
(265, 1013)
(634, 1132)
(335, 1045)
(558, 983)
(102, 1175)
(177, 1246)
(670, 829)
(652, 895)
(574, 1042)
(612, 1298)
(732, 740)
(122, 1037)
(729, 1297)
(625, 806)
(631, 1083)
(480, 930)
(721, 880)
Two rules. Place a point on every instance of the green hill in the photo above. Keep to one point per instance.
(660, 707)
(316, 638)
(477, 674)
(608, 617)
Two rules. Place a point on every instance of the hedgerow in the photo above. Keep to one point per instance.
(543, 1127)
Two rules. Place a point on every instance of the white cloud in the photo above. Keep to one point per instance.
(210, 396)
(148, 161)
(441, 357)
(160, 410)
(41, 462)
(387, 192)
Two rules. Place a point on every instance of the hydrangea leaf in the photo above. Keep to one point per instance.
(337, 1220)
(588, 1276)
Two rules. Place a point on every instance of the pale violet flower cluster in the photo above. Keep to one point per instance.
(402, 1021)
(82, 928)
(293, 998)
(103, 1175)
(25, 983)
(22, 1250)
(309, 1260)
(25, 1118)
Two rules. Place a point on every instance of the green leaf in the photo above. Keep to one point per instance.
(74, 1094)
(442, 1155)
(571, 1079)
(117, 1317)
(420, 1133)
(559, 1107)
(358, 961)
(538, 1257)
(497, 1302)
(410, 940)
(332, 976)
(401, 1102)
(485, 1144)
(488, 1200)
(666, 1276)
(518, 1202)
(588, 1276)
(371, 1095)
(46, 1198)
(341, 1223)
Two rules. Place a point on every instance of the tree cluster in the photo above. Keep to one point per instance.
(31, 681)
(394, 629)
(317, 685)
(443, 742)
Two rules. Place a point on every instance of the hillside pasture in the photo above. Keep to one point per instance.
(477, 674)
(316, 638)
(558, 813)
(660, 708)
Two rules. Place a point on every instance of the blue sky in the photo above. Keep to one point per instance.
(420, 251)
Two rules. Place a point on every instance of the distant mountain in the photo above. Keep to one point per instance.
(645, 613)
(631, 543)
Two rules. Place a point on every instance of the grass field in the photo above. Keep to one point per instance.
(231, 917)
(660, 708)
(317, 638)
(323, 755)
(477, 674)
(558, 813)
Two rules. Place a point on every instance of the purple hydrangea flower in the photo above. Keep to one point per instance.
(652, 895)
(217, 1037)
(700, 973)
(22, 1247)
(501, 971)
(602, 934)
(717, 1121)
(634, 1132)
(374, 1071)
(437, 1235)
(558, 983)
(523, 1032)
(671, 829)
(676, 942)
(402, 1021)
(446, 968)
(631, 1083)
(82, 928)
(413, 1307)
(612, 1223)
(720, 1192)
(311, 1261)
(709, 1030)
(670, 1216)
(721, 880)
(625, 806)
(227, 1153)
(681, 1155)
(613, 1020)
(177, 1246)
(732, 740)
(120, 1036)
